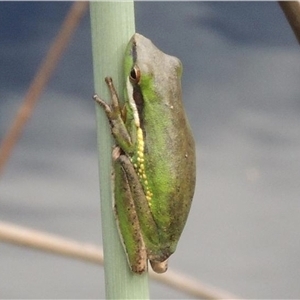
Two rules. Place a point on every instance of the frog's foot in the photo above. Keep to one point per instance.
(159, 267)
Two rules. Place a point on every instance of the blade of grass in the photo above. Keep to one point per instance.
(112, 26)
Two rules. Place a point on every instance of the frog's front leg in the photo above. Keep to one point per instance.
(115, 115)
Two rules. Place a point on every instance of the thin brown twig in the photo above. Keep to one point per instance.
(291, 10)
(191, 286)
(61, 246)
(35, 239)
(40, 80)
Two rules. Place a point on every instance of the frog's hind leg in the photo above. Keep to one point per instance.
(127, 219)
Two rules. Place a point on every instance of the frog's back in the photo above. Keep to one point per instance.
(170, 165)
(169, 149)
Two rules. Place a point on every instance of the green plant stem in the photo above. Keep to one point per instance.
(112, 26)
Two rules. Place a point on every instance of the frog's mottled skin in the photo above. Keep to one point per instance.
(154, 161)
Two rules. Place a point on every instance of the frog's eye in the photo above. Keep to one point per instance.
(135, 75)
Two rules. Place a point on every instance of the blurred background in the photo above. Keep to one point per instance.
(241, 92)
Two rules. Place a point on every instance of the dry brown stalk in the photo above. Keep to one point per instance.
(40, 80)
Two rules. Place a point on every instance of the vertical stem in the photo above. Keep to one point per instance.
(112, 26)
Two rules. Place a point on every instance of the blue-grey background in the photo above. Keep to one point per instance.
(242, 95)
